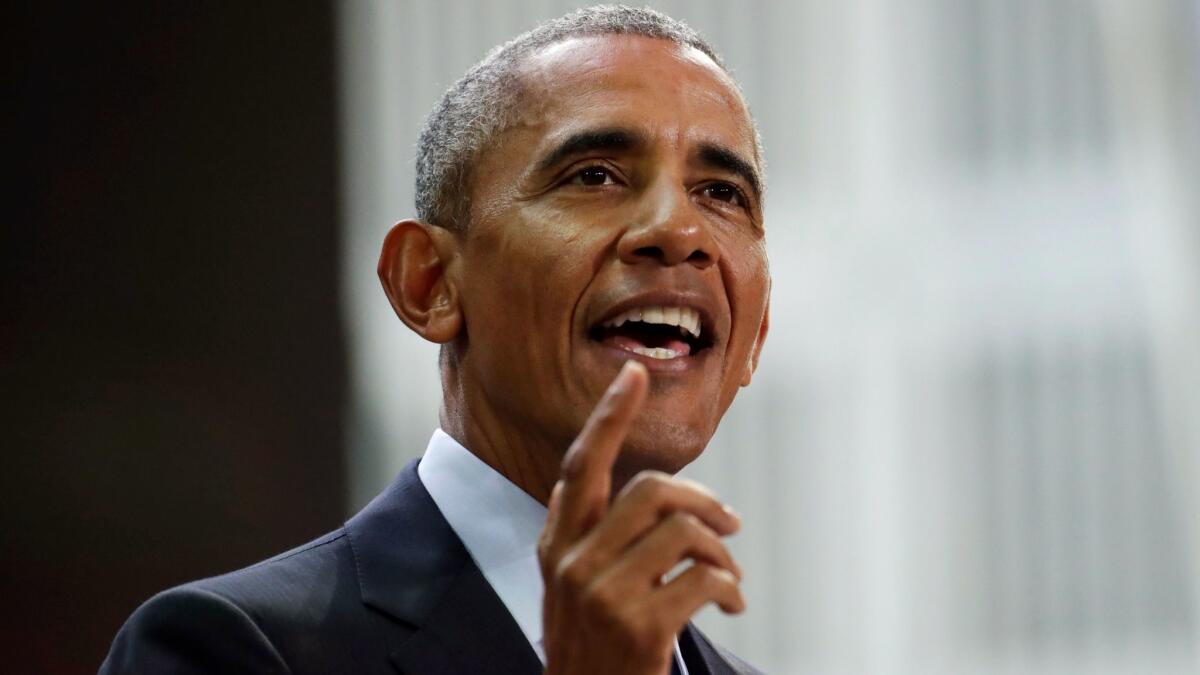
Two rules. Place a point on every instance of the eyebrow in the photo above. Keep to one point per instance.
(723, 158)
(620, 140)
(590, 141)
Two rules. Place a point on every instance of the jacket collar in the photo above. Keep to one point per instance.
(405, 553)
(413, 567)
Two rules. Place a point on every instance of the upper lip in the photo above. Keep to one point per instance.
(702, 302)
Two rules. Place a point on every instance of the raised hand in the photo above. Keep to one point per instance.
(606, 607)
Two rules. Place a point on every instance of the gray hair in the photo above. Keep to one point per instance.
(485, 101)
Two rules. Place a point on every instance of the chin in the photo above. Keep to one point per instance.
(661, 446)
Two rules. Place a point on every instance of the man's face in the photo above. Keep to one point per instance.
(627, 190)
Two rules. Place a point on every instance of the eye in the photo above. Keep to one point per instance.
(593, 176)
(724, 192)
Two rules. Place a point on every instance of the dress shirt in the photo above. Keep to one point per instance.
(499, 524)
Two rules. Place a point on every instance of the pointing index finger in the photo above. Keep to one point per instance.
(587, 467)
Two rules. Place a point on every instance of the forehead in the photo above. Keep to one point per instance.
(633, 81)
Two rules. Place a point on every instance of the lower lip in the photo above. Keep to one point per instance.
(679, 364)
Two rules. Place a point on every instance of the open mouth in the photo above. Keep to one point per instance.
(656, 332)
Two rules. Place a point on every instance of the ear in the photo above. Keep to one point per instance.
(761, 338)
(413, 268)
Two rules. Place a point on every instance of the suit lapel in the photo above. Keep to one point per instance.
(470, 632)
(696, 646)
(412, 566)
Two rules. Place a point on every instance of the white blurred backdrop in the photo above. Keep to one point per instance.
(973, 445)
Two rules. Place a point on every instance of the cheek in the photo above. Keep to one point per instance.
(747, 283)
(524, 281)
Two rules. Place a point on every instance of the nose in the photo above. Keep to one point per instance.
(669, 232)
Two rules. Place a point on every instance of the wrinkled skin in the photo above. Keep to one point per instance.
(551, 249)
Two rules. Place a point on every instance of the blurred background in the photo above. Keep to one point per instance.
(973, 443)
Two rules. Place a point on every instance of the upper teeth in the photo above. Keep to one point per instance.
(685, 317)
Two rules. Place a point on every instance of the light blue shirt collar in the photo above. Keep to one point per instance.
(499, 524)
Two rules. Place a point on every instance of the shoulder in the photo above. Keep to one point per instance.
(309, 609)
(286, 582)
(191, 630)
(245, 621)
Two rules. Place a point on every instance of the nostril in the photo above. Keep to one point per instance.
(697, 257)
(650, 252)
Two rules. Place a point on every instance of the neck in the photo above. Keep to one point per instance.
(530, 461)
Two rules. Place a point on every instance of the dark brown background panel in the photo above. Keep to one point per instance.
(171, 361)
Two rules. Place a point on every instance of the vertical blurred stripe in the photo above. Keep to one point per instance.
(171, 356)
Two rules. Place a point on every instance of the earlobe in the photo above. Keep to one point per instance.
(756, 350)
(413, 267)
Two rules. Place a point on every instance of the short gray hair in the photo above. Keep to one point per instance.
(484, 102)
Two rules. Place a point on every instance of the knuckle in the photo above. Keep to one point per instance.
(713, 579)
(600, 603)
(544, 549)
(572, 575)
(571, 470)
(650, 485)
(697, 487)
(572, 465)
(684, 525)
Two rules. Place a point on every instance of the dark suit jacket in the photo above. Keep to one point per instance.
(394, 590)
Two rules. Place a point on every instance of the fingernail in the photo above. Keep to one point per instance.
(732, 514)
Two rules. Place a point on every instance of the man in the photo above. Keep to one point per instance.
(589, 230)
